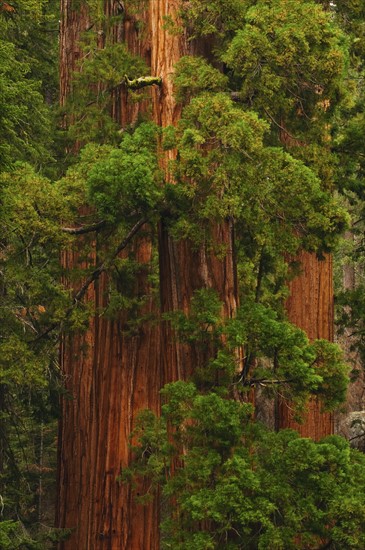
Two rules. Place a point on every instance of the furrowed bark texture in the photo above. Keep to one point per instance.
(73, 22)
(184, 267)
(310, 307)
(109, 376)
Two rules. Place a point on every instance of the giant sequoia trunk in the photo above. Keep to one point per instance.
(310, 307)
(109, 377)
(184, 268)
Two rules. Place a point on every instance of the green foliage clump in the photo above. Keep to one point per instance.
(278, 355)
(351, 16)
(100, 76)
(28, 73)
(224, 170)
(218, 17)
(72, 186)
(25, 124)
(32, 296)
(194, 75)
(291, 58)
(14, 536)
(229, 483)
(204, 319)
(128, 180)
(349, 148)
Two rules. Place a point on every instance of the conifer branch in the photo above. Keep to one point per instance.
(267, 381)
(281, 127)
(84, 229)
(105, 264)
(95, 275)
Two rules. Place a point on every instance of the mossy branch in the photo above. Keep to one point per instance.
(142, 82)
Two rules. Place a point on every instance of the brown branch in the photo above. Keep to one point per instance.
(267, 381)
(357, 436)
(45, 333)
(281, 127)
(105, 264)
(95, 275)
(84, 229)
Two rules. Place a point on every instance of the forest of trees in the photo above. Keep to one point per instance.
(182, 274)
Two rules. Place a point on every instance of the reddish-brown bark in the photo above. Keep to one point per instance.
(310, 307)
(108, 376)
(73, 22)
(184, 268)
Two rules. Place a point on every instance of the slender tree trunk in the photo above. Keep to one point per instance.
(310, 307)
(349, 421)
(108, 377)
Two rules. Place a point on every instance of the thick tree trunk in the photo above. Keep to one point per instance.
(108, 377)
(183, 267)
(72, 24)
(310, 307)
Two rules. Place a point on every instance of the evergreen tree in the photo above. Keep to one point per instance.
(204, 143)
(31, 294)
(223, 169)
